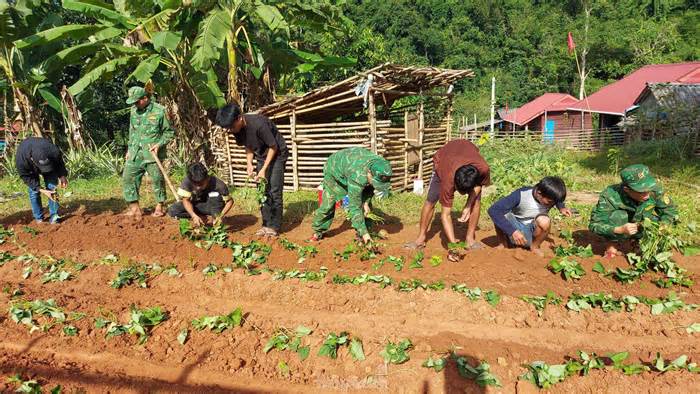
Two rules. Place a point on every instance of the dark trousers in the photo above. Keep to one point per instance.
(212, 206)
(271, 210)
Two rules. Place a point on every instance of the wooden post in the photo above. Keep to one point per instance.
(449, 119)
(295, 150)
(421, 132)
(405, 150)
(372, 122)
(228, 160)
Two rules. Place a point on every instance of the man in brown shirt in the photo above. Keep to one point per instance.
(456, 166)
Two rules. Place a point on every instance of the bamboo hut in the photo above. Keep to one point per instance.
(401, 113)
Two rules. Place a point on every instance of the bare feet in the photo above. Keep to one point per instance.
(537, 251)
(134, 210)
(158, 212)
(611, 252)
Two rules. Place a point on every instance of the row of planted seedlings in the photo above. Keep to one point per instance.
(42, 315)
(248, 256)
(252, 258)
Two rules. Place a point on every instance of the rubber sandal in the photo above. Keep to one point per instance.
(413, 246)
(314, 238)
(476, 246)
(260, 233)
(158, 214)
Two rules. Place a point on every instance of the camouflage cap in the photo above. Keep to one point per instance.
(135, 93)
(638, 178)
(381, 176)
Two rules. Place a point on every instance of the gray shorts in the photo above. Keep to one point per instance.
(434, 189)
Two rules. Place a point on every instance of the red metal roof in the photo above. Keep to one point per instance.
(546, 102)
(618, 96)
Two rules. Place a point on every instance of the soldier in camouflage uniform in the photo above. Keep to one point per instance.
(359, 174)
(149, 133)
(622, 207)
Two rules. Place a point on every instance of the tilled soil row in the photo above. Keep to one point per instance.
(506, 336)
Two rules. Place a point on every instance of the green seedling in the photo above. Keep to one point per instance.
(540, 302)
(397, 353)
(569, 269)
(481, 374)
(417, 261)
(284, 339)
(221, 323)
(334, 341)
(132, 275)
(304, 276)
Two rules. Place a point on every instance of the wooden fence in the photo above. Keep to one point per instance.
(584, 140)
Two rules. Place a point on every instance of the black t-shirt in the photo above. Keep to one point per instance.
(216, 185)
(259, 134)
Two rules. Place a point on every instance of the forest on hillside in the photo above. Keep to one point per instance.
(201, 53)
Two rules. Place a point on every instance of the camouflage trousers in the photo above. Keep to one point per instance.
(332, 193)
(132, 176)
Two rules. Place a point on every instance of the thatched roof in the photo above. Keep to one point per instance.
(388, 81)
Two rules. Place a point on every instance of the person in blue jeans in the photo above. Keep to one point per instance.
(522, 217)
(39, 157)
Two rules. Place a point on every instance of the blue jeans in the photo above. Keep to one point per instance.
(51, 182)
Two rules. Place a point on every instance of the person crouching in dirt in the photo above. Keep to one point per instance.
(358, 174)
(149, 133)
(458, 165)
(203, 196)
(521, 218)
(39, 157)
(622, 207)
(261, 140)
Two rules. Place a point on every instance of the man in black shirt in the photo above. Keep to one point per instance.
(261, 140)
(202, 195)
(38, 156)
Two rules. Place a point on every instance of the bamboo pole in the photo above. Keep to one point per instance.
(449, 119)
(295, 151)
(372, 121)
(405, 150)
(421, 132)
(228, 154)
(409, 93)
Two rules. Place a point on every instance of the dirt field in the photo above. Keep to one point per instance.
(506, 335)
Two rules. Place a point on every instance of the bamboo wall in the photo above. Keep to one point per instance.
(310, 145)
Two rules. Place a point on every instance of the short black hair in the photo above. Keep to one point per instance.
(553, 188)
(466, 177)
(197, 172)
(227, 114)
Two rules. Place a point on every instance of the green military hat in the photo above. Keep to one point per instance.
(638, 178)
(381, 176)
(135, 94)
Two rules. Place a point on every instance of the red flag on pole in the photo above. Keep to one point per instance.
(570, 43)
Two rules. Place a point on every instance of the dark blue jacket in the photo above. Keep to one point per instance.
(32, 150)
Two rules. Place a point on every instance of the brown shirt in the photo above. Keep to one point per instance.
(447, 161)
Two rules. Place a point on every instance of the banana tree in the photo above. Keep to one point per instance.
(24, 80)
(253, 39)
(188, 49)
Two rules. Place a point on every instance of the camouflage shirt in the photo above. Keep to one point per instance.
(658, 207)
(147, 127)
(348, 170)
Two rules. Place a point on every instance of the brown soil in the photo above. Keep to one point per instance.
(506, 336)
